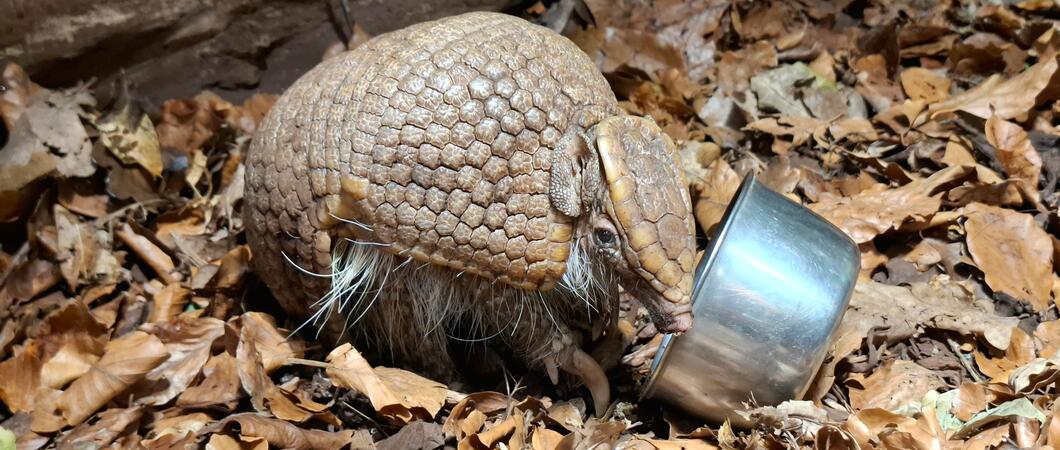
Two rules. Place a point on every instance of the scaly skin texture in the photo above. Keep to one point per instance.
(469, 162)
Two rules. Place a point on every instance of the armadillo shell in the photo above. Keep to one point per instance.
(453, 124)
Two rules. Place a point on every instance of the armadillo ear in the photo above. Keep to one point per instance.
(564, 187)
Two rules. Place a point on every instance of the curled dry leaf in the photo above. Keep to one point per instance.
(75, 340)
(188, 342)
(479, 404)
(878, 209)
(233, 267)
(219, 387)
(275, 347)
(1015, 152)
(101, 433)
(280, 434)
(290, 406)
(1005, 99)
(1014, 253)
(252, 374)
(398, 395)
(127, 360)
(154, 256)
(717, 191)
(132, 140)
(168, 303)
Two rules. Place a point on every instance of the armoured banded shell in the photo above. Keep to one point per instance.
(451, 126)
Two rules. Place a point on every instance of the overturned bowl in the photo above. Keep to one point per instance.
(768, 296)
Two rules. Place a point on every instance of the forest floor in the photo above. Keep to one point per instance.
(927, 131)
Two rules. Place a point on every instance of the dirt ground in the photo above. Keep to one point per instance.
(927, 131)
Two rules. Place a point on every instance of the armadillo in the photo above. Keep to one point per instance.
(471, 173)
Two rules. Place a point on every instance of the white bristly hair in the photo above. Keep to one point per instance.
(581, 280)
(355, 266)
(364, 275)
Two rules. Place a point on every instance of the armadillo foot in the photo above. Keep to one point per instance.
(583, 366)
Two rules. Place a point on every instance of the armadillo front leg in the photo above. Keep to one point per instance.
(534, 325)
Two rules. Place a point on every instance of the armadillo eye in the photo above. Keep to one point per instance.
(605, 237)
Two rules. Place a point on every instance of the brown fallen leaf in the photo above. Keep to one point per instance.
(188, 342)
(1015, 152)
(50, 121)
(111, 424)
(219, 387)
(1005, 99)
(252, 374)
(736, 68)
(127, 360)
(398, 395)
(923, 84)
(904, 311)
(717, 191)
(29, 280)
(1013, 252)
(132, 140)
(233, 267)
(418, 435)
(287, 405)
(878, 209)
(220, 441)
(545, 439)
(167, 303)
(894, 386)
(75, 339)
(154, 256)
(274, 346)
(20, 378)
(461, 420)
(280, 434)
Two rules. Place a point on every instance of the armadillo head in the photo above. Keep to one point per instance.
(637, 215)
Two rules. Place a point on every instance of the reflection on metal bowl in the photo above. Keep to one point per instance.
(769, 293)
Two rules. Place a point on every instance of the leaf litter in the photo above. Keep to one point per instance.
(925, 131)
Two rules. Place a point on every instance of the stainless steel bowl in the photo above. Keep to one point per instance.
(769, 293)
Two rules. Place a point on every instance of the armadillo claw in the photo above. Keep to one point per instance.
(552, 368)
(586, 368)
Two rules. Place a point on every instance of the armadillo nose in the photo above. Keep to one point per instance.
(676, 318)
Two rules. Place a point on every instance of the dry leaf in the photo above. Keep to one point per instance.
(20, 378)
(219, 387)
(1015, 152)
(718, 189)
(127, 360)
(168, 303)
(50, 121)
(280, 434)
(1013, 252)
(894, 386)
(397, 394)
(132, 140)
(154, 256)
(188, 342)
(1005, 99)
(924, 84)
(252, 374)
(876, 210)
(275, 347)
